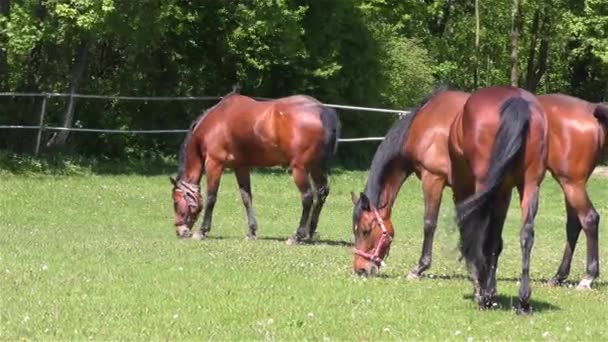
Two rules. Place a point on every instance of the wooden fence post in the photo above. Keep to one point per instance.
(41, 123)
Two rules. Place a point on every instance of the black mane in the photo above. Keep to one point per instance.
(389, 151)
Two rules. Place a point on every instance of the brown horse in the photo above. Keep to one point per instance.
(577, 141)
(440, 161)
(240, 133)
(418, 143)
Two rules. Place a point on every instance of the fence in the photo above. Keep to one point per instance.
(41, 127)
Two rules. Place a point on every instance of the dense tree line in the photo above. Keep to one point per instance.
(366, 52)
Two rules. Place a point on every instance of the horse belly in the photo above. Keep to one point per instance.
(258, 155)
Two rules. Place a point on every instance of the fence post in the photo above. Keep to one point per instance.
(41, 123)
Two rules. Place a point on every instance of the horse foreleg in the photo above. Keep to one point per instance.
(300, 177)
(213, 171)
(581, 215)
(432, 188)
(529, 207)
(243, 179)
(320, 178)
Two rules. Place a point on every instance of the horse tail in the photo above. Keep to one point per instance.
(473, 213)
(601, 114)
(331, 127)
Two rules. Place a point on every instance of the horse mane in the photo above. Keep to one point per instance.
(390, 149)
(193, 125)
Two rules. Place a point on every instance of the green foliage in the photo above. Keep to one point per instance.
(387, 53)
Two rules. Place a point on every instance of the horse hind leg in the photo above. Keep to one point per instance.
(300, 177)
(432, 188)
(320, 178)
(494, 244)
(243, 179)
(573, 230)
(529, 206)
(581, 215)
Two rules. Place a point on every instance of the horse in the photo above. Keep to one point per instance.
(417, 143)
(439, 160)
(577, 134)
(577, 142)
(242, 133)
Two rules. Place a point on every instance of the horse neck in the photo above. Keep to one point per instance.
(383, 189)
(193, 162)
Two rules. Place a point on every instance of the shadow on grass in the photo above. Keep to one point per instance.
(542, 281)
(509, 303)
(284, 239)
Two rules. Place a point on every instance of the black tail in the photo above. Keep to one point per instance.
(601, 114)
(331, 124)
(474, 212)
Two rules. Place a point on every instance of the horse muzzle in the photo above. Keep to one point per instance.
(183, 231)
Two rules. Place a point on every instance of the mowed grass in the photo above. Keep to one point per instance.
(96, 257)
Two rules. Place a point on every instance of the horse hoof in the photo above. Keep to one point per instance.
(584, 285)
(554, 282)
(292, 241)
(199, 236)
(250, 237)
(413, 276)
(184, 235)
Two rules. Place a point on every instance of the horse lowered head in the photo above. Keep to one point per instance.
(187, 205)
(373, 236)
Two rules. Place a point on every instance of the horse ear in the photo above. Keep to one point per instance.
(173, 181)
(353, 198)
(365, 205)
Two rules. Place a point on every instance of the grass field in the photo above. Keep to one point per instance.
(94, 256)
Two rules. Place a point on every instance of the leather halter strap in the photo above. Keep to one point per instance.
(383, 242)
(191, 193)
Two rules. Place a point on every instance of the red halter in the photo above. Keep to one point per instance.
(385, 240)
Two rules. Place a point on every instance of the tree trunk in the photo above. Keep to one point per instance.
(5, 10)
(78, 68)
(514, 43)
(439, 22)
(534, 31)
(476, 71)
(538, 66)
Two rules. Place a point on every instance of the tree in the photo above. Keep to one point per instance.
(515, 43)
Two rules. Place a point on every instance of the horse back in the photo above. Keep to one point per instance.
(427, 144)
(243, 131)
(576, 138)
(481, 121)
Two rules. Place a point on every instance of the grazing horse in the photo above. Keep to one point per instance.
(577, 142)
(240, 133)
(436, 153)
(505, 147)
(417, 143)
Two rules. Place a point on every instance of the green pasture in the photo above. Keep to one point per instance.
(93, 255)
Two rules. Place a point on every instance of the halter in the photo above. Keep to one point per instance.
(385, 240)
(191, 194)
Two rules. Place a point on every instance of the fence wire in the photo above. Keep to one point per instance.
(43, 127)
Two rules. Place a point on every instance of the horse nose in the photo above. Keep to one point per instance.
(360, 271)
(368, 271)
